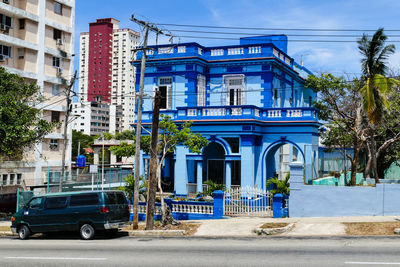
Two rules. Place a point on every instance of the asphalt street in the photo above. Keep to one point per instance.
(260, 251)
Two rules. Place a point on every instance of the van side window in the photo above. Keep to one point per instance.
(36, 203)
(55, 202)
(111, 198)
(84, 200)
(121, 199)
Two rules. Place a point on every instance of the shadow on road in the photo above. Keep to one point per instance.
(74, 236)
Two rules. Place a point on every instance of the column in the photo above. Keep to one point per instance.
(199, 176)
(228, 174)
(180, 179)
(247, 160)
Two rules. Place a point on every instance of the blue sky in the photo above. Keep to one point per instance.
(337, 58)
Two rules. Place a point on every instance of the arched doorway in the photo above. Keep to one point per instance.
(214, 163)
(278, 157)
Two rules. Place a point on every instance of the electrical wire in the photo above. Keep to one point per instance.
(274, 29)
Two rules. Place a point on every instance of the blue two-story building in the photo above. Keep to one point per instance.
(248, 100)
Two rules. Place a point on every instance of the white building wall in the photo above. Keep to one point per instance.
(33, 49)
(123, 76)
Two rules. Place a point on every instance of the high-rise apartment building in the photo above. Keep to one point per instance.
(106, 77)
(37, 43)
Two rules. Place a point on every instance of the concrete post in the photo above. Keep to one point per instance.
(228, 174)
(218, 204)
(199, 176)
(277, 206)
(296, 174)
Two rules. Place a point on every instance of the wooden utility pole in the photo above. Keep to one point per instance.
(67, 112)
(152, 184)
(147, 27)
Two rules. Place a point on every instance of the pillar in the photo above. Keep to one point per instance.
(199, 176)
(228, 174)
(247, 158)
(218, 204)
(180, 179)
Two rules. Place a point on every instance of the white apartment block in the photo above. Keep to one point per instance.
(122, 76)
(37, 43)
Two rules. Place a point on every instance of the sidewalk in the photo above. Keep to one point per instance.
(244, 226)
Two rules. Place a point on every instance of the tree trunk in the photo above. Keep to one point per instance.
(374, 165)
(152, 185)
(163, 209)
(369, 162)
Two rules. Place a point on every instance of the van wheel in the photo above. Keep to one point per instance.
(86, 231)
(23, 232)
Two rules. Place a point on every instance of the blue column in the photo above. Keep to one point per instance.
(180, 179)
(247, 160)
(218, 204)
(228, 174)
(277, 206)
(199, 176)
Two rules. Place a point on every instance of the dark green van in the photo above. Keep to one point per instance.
(86, 212)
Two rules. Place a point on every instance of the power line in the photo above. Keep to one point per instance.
(273, 29)
(264, 34)
(296, 41)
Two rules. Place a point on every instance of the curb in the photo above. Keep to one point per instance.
(155, 233)
(274, 231)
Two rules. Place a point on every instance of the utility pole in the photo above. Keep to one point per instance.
(67, 112)
(152, 184)
(147, 27)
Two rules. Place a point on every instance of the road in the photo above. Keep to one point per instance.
(263, 251)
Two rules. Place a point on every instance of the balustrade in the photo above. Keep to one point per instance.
(236, 111)
(274, 113)
(214, 112)
(294, 113)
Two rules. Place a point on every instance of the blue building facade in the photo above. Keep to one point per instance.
(247, 99)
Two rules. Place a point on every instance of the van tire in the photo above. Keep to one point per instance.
(86, 231)
(23, 232)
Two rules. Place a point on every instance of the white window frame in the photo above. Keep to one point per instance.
(239, 89)
(201, 90)
(166, 81)
(55, 62)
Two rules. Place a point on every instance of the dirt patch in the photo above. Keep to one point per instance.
(190, 228)
(371, 228)
(273, 225)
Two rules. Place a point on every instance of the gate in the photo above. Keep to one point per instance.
(247, 201)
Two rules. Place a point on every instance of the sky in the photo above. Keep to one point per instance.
(338, 58)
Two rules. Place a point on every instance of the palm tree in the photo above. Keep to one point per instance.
(375, 87)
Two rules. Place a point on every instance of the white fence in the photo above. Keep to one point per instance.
(247, 201)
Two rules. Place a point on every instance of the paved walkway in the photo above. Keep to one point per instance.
(244, 226)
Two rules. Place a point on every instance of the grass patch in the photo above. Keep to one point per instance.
(371, 228)
(190, 228)
(273, 225)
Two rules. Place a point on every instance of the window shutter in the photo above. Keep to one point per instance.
(169, 96)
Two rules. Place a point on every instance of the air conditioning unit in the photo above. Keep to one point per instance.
(3, 27)
(6, 1)
(59, 71)
(2, 58)
(59, 41)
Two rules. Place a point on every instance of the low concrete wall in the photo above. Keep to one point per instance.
(335, 201)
